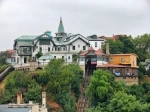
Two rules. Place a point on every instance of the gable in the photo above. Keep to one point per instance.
(80, 39)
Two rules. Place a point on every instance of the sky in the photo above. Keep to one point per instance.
(87, 17)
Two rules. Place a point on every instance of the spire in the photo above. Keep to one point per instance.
(61, 27)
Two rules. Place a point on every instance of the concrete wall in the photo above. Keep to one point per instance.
(128, 80)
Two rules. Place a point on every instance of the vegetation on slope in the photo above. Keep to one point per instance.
(61, 82)
(106, 95)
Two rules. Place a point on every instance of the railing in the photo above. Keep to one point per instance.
(5, 72)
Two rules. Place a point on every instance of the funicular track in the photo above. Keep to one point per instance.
(83, 101)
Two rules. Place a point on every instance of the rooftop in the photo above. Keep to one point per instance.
(27, 37)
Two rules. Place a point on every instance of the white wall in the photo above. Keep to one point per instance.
(79, 45)
(99, 44)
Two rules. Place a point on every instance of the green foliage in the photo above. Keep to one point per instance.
(142, 71)
(63, 80)
(122, 102)
(114, 46)
(68, 102)
(96, 109)
(21, 82)
(102, 87)
(3, 67)
(3, 60)
(33, 93)
(41, 77)
(136, 90)
(39, 54)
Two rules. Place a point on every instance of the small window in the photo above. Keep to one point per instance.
(122, 59)
(95, 44)
(55, 48)
(58, 49)
(84, 48)
(78, 46)
(40, 49)
(111, 59)
(44, 59)
(48, 48)
(68, 57)
(55, 57)
(62, 57)
(73, 47)
(64, 49)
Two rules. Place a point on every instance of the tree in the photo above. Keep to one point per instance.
(39, 54)
(128, 44)
(115, 47)
(33, 93)
(21, 82)
(100, 89)
(122, 102)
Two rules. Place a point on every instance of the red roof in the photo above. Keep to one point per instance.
(83, 53)
(91, 49)
(99, 52)
(10, 51)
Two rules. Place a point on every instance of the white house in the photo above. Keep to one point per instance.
(63, 45)
(96, 42)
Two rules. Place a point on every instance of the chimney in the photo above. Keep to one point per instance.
(43, 99)
(19, 98)
(107, 48)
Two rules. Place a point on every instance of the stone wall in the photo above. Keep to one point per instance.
(128, 80)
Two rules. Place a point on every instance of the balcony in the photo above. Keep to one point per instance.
(24, 51)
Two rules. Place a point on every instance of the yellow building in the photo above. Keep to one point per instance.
(123, 59)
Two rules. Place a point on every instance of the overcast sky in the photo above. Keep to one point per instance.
(87, 17)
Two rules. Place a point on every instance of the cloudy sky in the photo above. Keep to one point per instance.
(87, 17)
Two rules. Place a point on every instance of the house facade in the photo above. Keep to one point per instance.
(122, 66)
(63, 45)
(96, 42)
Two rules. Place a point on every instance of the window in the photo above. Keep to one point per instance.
(62, 57)
(64, 49)
(58, 49)
(84, 48)
(68, 57)
(99, 58)
(48, 48)
(81, 58)
(55, 57)
(55, 48)
(111, 59)
(40, 49)
(95, 44)
(73, 47)
(122, 59)
(78, 46)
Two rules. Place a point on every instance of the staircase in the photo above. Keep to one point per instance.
(83, 101)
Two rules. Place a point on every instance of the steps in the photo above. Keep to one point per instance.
(83, 101)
